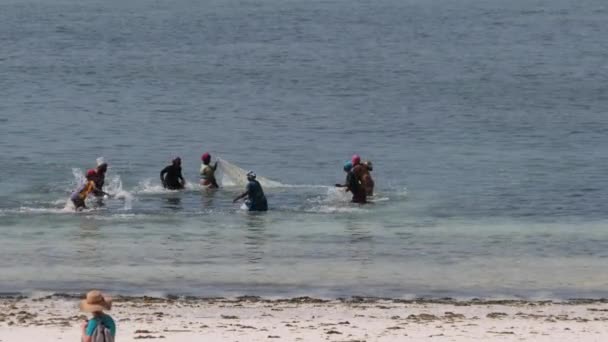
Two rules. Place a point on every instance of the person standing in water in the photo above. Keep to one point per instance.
(208, 172)
(347, 167)
(79, 196)
(256, 200)
(171, 176)
(366, 178)
(355, 181)
(100, 178)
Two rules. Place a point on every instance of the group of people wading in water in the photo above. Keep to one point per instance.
(358, 181)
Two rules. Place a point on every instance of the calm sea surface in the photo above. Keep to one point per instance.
(486, 120)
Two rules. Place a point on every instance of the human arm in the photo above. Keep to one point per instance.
(98, 191)
(243, 195)
(86, 336)
(346, 182)
(215, 166)
(350, 181)
(181, 178)
(162, 176)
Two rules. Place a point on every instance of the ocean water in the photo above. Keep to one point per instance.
(486, 121)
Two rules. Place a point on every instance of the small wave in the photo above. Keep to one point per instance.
(58, 202)
(378, 198)
(64, 210)
(333, 195)
(326, 209)
(402, 192)
(148, 187)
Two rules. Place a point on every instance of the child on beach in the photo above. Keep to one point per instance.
(100, 327)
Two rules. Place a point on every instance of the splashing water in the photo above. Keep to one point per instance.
(148, 187)
(336, 200)
(113, 186)
(79, 177)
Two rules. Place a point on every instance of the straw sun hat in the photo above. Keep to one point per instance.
(95, 302)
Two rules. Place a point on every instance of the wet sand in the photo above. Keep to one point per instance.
(56, 318)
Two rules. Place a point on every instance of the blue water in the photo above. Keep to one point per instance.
(486, 122)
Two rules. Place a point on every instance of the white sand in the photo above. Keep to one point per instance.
(56, 319)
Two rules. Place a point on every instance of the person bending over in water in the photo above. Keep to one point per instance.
(256, 200)
(208, 172)
(366, 178)
(80, 195)
(100, 178)
(171, 176)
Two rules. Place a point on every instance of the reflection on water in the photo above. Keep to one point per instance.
(361, 242)
(255, 238)
(207, 197)
(89, 244)
(173, 203)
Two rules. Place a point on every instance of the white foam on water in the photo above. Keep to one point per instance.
(27, 210)
(79, 177)
(114, 187)
(193, 186)
(122, 217)
(147, 187)
(327, 209)
(336, 200)
(377, 198)
(402, 192)
(59, 201)
(68, 206)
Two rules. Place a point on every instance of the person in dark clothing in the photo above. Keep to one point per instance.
(171, 176)
(355, 186)
(354, 173)
(347, 167)
(355, 181)
(100, 178)
(256, 200)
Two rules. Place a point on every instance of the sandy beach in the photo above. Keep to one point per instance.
(56, 318)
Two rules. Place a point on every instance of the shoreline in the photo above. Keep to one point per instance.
(250, 318)
(42, 296)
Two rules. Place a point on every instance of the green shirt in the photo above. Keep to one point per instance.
(106, 320)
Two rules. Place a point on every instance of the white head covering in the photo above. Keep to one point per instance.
(100, 161)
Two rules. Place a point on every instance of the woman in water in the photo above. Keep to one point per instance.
(208, 172)
(79, 196)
